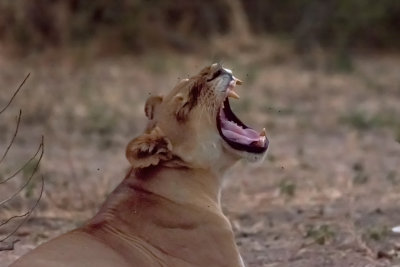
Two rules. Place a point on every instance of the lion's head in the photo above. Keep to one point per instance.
(194, 126)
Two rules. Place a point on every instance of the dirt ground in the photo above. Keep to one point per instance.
(327, 195)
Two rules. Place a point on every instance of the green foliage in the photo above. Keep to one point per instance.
(100, 120)
(340, 24)
(29, 169)
(357, 120)
(27, 172)
(130, 24)
(392, 177)
(137, 25)
(287, 188)
(378, 233)
(362, 121)
(360, 176)
(320, 234)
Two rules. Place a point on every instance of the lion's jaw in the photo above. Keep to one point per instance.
(196, 121)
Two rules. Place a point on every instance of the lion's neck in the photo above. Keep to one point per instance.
(171, 209)
(183, 186)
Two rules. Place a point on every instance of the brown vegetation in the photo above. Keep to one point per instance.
(7, 241)
(326, 196)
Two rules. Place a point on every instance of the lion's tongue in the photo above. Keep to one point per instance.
(237, 134)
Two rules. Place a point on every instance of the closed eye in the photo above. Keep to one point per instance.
(216, 74)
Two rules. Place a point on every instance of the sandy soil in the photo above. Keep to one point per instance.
(327, 195)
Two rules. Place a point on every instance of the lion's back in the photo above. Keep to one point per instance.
(72, 249)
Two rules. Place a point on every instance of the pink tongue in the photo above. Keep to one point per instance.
(237, 134)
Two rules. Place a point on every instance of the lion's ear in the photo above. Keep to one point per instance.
(150, 106)
(149, 149)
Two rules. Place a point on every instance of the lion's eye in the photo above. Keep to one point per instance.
(216, 74)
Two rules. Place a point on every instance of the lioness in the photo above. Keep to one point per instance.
(167, 210)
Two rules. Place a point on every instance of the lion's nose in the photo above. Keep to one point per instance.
(226, 71)
(229, 73)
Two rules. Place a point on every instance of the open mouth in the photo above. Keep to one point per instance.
(235, 132)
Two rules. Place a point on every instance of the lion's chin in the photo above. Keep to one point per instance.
(239, 138)
(243, 155)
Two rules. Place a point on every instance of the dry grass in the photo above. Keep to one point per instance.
(325, 196)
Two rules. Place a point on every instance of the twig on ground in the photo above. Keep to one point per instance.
(10, 245)
(40, 149)
(13, 138)
(74, 176)
(27, 215)
(350, 223)
(15, 94)
(30, 177)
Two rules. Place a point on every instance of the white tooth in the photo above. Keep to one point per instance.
(262, 140)
(237, 81)
(263, 132)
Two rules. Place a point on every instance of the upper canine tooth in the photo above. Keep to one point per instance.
(233, 94)
(237, 81)
(263, 132)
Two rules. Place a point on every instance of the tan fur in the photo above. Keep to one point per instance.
(149, 149)
(167, 210)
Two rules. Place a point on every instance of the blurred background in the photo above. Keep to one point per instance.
(322, 76)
